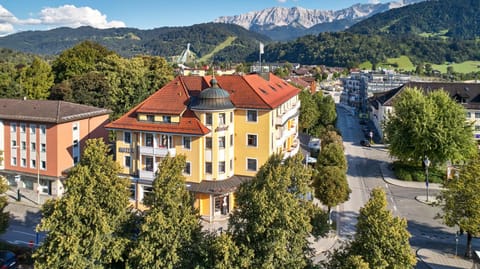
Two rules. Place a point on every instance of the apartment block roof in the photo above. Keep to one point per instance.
(250, 91)
(468, 94)
(47, 111)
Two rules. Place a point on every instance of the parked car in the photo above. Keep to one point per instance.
(314, 146)
(8, 260)
(365, 143)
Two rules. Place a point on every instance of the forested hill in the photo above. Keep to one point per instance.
(165, 41)
(458, 19)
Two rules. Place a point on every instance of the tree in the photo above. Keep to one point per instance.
(36, 79)
(331, 186)
(91, 88)
(271, 218)
(332, 155)
(86, 225)
(80, 59)
(171, 229)
(331, 137)
(308, 111)
(431, 125)
(328, 113)
(4, 215)
(221, 252)
(460, 203)
(381, 239)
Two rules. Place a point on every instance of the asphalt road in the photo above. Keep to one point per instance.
(364, 174)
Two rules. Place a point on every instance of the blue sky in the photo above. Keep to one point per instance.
(22, 15)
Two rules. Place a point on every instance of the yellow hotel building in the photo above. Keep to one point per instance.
(226, 126)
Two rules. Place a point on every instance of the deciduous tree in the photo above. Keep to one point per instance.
(460, 202)
(431, 125)
(382, 240)
(170, 231)
(4, 215)
(271, 218)
(331, 186)
(86, 225)
(36, 79)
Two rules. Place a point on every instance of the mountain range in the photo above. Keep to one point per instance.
(282, 24)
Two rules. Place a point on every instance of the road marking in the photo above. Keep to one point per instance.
(20, 232)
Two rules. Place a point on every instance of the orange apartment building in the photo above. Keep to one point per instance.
(227, 127)
(41, 139)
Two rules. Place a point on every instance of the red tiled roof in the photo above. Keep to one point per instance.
(189, 124)
(249, 91)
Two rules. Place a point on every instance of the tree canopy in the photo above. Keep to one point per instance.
(428, 124)
(86, 225)
(460, 203)
(271, 218)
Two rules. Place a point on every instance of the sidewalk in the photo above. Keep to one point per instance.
(432, 258)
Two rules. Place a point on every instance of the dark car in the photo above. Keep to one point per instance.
(8, 259)
(365, 143)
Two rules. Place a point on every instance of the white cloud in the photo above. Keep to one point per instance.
(374, 1)
(72, 16)
(281, 1)
(67, 15)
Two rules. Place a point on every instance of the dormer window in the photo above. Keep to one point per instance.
(167, 119)
(151, 118)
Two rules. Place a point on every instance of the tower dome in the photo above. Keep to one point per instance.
(213, 98)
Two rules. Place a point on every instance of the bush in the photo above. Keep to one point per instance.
(409, 172)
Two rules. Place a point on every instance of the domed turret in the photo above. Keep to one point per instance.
(213, 98)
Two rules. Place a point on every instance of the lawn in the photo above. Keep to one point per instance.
(221, 46)
(400, 63)
(465, 67)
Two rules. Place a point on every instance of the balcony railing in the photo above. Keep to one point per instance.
(160, 152)
(293, 150)
(280, 120)
(143, 174)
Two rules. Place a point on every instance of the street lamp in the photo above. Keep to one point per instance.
(426, 162)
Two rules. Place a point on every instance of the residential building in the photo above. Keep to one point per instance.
(41, 139)
(226, 126)
(467, 94)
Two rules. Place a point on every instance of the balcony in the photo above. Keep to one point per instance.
(280, 120)
(148, 175)
(293, 150)
(283, 135)
(159, 152)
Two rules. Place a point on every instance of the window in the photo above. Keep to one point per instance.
(231, 164)
(75, 159)
(208, 167)
(252, 140)
(24, 162)
(221, 142)
(149, 140)
(477, 128)
(75, 143)
(477, 115)
(43, 129)
(221, 118)
(75, 127)
(127, 161)
(186, 142)
(127, 137)
(14, 161)
(231, 140)
(221, 167)
(43, 147)
(13, 127)
(33, 146)
(24, 145)
(208, 142)
(167, 119)
(208, 118)
(149, 163)
(33, 128)
(22, 128)
(469, 115)
(251, 164)
(231, 117)
(14, 143)
(33, 163)
(252, 115)
(187, 170)
(43, 165)
(151, 118)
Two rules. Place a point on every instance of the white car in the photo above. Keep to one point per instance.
(314, 144)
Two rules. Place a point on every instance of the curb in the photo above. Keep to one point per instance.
(424, 262)
(407, 184)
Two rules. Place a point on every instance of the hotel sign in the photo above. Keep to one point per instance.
(126, 150)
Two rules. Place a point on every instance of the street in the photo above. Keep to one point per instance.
(364, 174)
